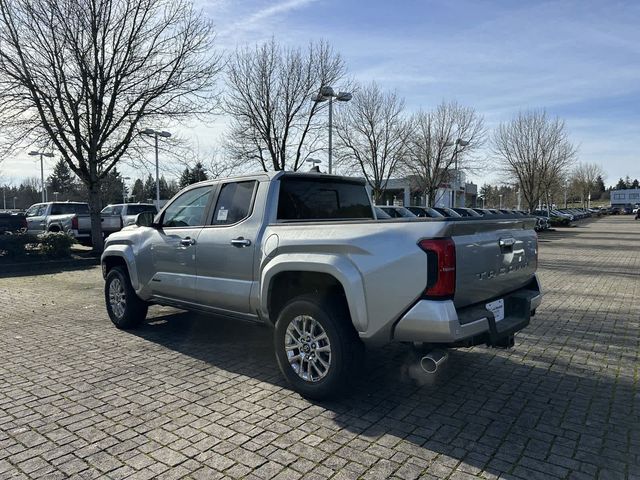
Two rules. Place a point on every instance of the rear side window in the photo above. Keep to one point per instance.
(234, 203)
(322, 199)
(69, 208)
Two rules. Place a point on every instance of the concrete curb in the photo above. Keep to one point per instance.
(15, 269)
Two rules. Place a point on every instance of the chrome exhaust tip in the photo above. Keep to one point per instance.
(433, 360)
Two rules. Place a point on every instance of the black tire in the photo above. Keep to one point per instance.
(133, 310)
(346, 348)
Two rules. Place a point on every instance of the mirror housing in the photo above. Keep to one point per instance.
(145, 219)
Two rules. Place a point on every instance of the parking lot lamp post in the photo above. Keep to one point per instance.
(124, 189)
(4, 198)
(500, 200)
(42, 154)
(156, 134)
(327, 93)
(454, 158)
(14, 202)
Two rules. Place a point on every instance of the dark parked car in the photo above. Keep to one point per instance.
(396, 212)
(447, 212)
(483, 211)
(12, 222)
(381, 214)
(466, 212)
(424, 212)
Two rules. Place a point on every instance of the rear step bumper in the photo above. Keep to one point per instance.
(438, 322)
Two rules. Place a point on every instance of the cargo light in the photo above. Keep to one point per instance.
(441, 274)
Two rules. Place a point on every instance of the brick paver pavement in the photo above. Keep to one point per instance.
(191, 396)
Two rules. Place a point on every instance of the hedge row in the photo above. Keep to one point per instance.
(51, 244)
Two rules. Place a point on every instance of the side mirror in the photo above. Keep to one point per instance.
(144, 219)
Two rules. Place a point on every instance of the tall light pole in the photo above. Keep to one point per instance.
(42, 154)
(4, 198)
(124, 189)
(327, 93)
(156, 134)
(454, 158)
(500, 201)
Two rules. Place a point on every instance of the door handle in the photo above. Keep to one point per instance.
(507, 242)
(187, 242)
(240, 242)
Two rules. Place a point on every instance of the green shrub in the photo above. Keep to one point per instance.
(13, 245)
(56, 244)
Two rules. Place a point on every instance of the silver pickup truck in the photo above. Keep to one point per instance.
(118, 215)
(70, 217)
(304, 253)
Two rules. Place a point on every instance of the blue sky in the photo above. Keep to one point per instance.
(580, 60)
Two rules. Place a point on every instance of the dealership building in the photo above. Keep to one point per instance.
(624, 198)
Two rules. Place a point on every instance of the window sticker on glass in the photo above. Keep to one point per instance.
(222, 214)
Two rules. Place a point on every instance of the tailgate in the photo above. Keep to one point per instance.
(493, 257)
(84, 224)
(111, 223)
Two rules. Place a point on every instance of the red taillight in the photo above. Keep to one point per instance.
(441, 277)
(74, 223)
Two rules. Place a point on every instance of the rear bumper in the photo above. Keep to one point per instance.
(439, 322)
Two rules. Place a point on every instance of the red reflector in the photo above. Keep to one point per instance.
(74, 223)
(443, 252)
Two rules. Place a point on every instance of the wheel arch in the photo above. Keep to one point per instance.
(120, 255)
(287, 278)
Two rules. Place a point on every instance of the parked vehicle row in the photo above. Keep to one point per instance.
(74, 218)
(545, 219)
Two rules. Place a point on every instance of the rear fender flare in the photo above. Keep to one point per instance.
(340, 268)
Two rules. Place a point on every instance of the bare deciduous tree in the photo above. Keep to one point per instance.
(83, 75)
(372, 135)
(274, 121)
(440, 141)
(584, 178)
(535, 151)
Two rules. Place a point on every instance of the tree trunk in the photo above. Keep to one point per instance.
(95, 206)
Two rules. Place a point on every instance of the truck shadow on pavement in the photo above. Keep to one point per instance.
(495, 411)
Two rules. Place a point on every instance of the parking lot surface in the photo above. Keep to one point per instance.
(198, 397)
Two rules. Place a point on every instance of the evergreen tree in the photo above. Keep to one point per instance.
(164, 189)
(198, 173)
(621, 185)
(137, 192)
(174, 187)
(185, 178)
(62, 180)
(149, 189)
(193, 175)
(635, 183)
(111, 187)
